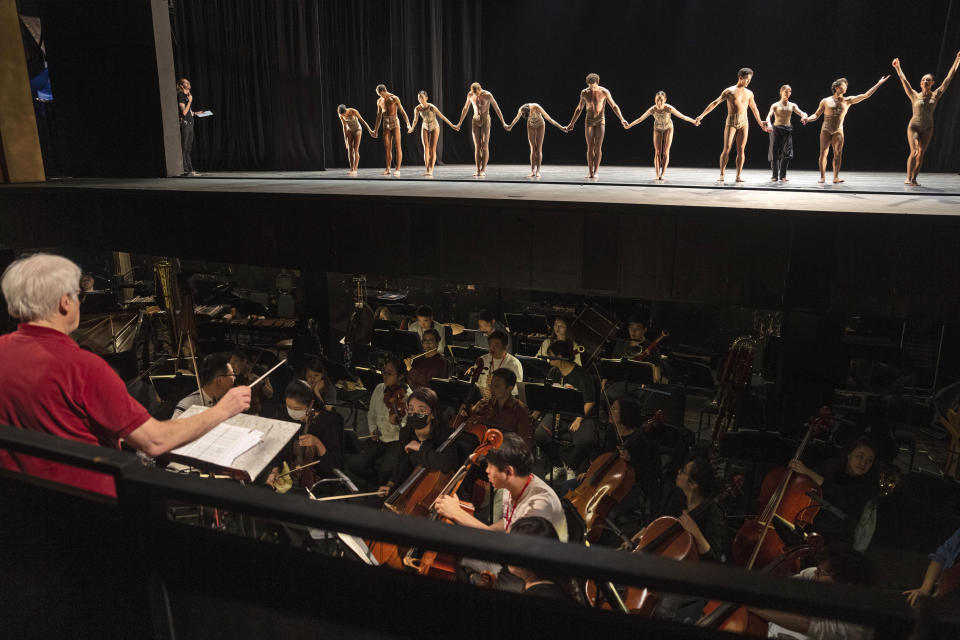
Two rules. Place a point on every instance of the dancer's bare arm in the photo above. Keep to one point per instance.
(516, 118)
(616, 109)
(463, 114)
(674, 111)
(872, 90)
(576, 112)
(496, 107)
(416, 116)
(911, 94)
(441, 116)
(364, 122)
(817, 113)
(756, 114)
(546, 116)
(376, 125)
(646, 114)
(797, 110)
(770, 116)
(713, 105)
(403, 113)
(946, 81)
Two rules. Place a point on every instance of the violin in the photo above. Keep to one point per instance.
(725, 616)
(665, 537)
(395, 398)
(785, 494)
(303, 456)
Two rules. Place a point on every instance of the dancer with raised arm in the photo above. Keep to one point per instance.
(662, 130)
(350, 119)
(481, 100)
(834, 110)
(920, 128)
(594, 100)
(781, 134)
(738, 99)
(387, 107)
(430, 131)
(536, 128)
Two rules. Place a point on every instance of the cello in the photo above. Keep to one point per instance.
(785, 494)
(734, 618)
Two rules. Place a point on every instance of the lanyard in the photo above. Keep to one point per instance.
(508, 512)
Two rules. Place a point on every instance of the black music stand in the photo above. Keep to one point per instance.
(450, 391)
(527, 323)
(548, 399)
(592, 330)
(466, 355)
(535, 368)
(406, 343)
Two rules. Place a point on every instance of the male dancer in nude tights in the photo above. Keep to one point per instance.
(481, 100)
(387, 107)
(738, 99)
(834, 109)
(594, 100)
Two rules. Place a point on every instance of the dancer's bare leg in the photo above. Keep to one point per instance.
(477, 149)
(742, 135)
(355, 151)
(589, 140)
(485, 146)
(657, 151)
(825, 139)
(425, 139)
(665, 159)
(594, 149)
(728, 135)
(532, 140)
(388, 148)
(347, 142)
(922, 146)
(398, 140)
(539, 134)
(837, 145)
(434, 139)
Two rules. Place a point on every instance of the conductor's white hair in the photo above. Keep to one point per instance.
(33, 286)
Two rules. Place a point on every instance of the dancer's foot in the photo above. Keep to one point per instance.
(386, 171)
(722, 178)
(773, 179)
(476, 174)
(482, 174)
(908, 181)
(784, 180)
(532, 175)
(837, 180)
(914, 183)
(352, 172)
(739, 179)
(821, 180)
(538, 173)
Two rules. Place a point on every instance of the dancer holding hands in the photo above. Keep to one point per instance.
(536, 128)
(430, 131)
(662, 130)
(351, 119)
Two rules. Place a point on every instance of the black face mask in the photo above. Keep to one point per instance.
(417, 422)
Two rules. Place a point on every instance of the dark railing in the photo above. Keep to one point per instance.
(125, 569)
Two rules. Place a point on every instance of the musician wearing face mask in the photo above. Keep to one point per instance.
(430, 364)
(420, 439)
(320, 436)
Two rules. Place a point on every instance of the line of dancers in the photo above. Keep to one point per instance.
(595, 98)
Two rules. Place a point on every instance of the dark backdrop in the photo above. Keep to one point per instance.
(273, 72)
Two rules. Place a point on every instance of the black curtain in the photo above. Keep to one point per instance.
(943, 154)
(274, 72)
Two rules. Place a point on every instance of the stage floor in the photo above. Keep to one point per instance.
(623, 188)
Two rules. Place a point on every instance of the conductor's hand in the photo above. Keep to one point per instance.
(235, 401)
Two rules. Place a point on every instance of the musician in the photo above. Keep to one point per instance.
(242, 366)
(944, 558)
(537, 584)
(498, 358)
(848, 484)
(637, 328)
(510, 467)
(487, 323)
(503, 410)
(48, 384)
(315, 373)
(561, 331)
(420, 439)
(216, 378)
(324, 432)
(375, 464)
(580, 431)
(430, 365)
(425, 321)
(840, 565)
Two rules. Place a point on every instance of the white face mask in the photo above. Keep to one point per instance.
(297, 414)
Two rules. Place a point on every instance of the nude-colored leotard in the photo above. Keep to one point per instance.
(429, 119)
(662, 120)
(923, 113)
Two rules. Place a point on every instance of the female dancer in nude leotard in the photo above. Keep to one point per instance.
(920, 128)
(350, 119)
(430, 131)
(662, 130)
(536, 117)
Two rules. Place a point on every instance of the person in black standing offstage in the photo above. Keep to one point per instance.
(185, 102)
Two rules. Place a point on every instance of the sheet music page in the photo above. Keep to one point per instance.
(221, 445)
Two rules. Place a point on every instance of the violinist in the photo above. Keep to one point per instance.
(697, 483)
(580, 431)
(848, 484)
(498, 358)
(320, 436)
(503, 410)
(561, 331)
(378, 459)
(420, 439)
(840, 565)
(425, 321)
(510, 467)
(428, 365)
(487, 323)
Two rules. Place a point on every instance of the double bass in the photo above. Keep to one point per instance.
(786, 494)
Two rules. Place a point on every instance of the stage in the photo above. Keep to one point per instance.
(870, 244)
